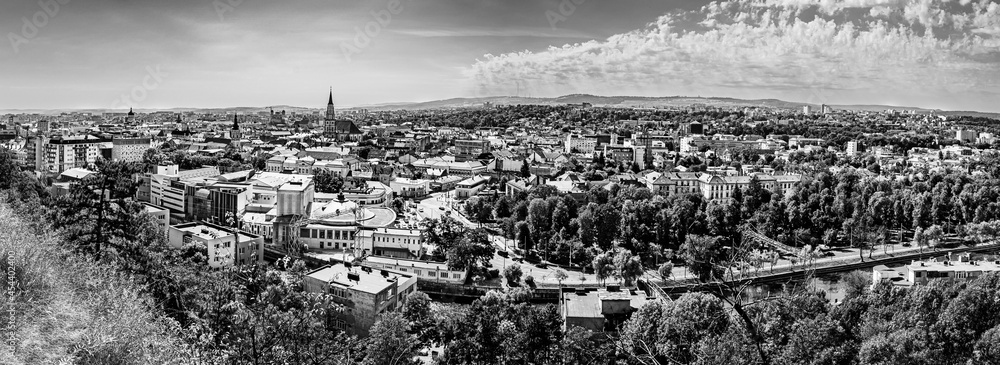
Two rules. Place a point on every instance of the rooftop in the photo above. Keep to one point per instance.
(367, 281)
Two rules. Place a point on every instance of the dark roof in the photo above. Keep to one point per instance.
(347, 127)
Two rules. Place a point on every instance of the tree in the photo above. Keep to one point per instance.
(628, 267)
(442, 233)
(583, 347)
(560, 216)
(604, 266)
(560, 275)
(666, 270)
(524, 237)
(934, 234)
(398, 205)
(326, 182)
(512, 274)
(525, 169)
(472, 250)
(417, 310)
(390, 341)
(501, 208)
(702, 254)
(100, 210)
(539, 219)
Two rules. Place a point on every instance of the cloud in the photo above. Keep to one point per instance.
(809, 50)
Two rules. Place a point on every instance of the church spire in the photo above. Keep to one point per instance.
(236, 123)
(331, 112)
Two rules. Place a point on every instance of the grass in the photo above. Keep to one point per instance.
(66, 309)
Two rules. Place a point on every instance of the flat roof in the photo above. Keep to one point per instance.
(368, 282)
(946, 266)
(407, 263)
(588, 304)
(580, 305)
(210, 231)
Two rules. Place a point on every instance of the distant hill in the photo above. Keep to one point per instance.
(604, 101)
(652, 102)
(600, 101)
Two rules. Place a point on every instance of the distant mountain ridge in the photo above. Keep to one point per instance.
(596, 100)
(623, 101)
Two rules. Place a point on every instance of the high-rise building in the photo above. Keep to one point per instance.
(965, 135)
(64, 153)
(853, 148)
(129, 149)
(696, 128)
(807, 110)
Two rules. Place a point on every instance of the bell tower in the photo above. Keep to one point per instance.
(331, 112)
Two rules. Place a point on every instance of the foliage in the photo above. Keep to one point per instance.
(512, 274)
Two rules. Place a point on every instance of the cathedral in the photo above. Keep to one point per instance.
(343, 130)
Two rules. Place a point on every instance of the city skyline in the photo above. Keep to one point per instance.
(231, 53)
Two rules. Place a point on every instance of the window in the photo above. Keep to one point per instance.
(456, 276)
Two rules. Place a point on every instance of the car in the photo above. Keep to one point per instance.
(440, 208)
(421, 210)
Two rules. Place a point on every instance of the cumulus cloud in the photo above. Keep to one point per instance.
(815, 49)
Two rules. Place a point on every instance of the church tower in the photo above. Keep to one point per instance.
(235, 133)
(331, 112)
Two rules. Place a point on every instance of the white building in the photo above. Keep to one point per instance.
(852, 148)
(423, 270)
(965, 135)
(410, 188)
(921, 272)
(392, 242)
(64, 153)
(580, 144)
(223, 248)
(471, 187)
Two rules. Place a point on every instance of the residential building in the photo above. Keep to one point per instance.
(129, 149)
(221, 242)
(63, 153)
(160, 215)
(965, 135)
(470, 149)
(365, 293)
(853, 148)
(580, 144)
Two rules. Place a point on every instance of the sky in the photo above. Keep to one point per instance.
(150, 54)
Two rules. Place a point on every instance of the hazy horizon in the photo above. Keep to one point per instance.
(201, 54)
